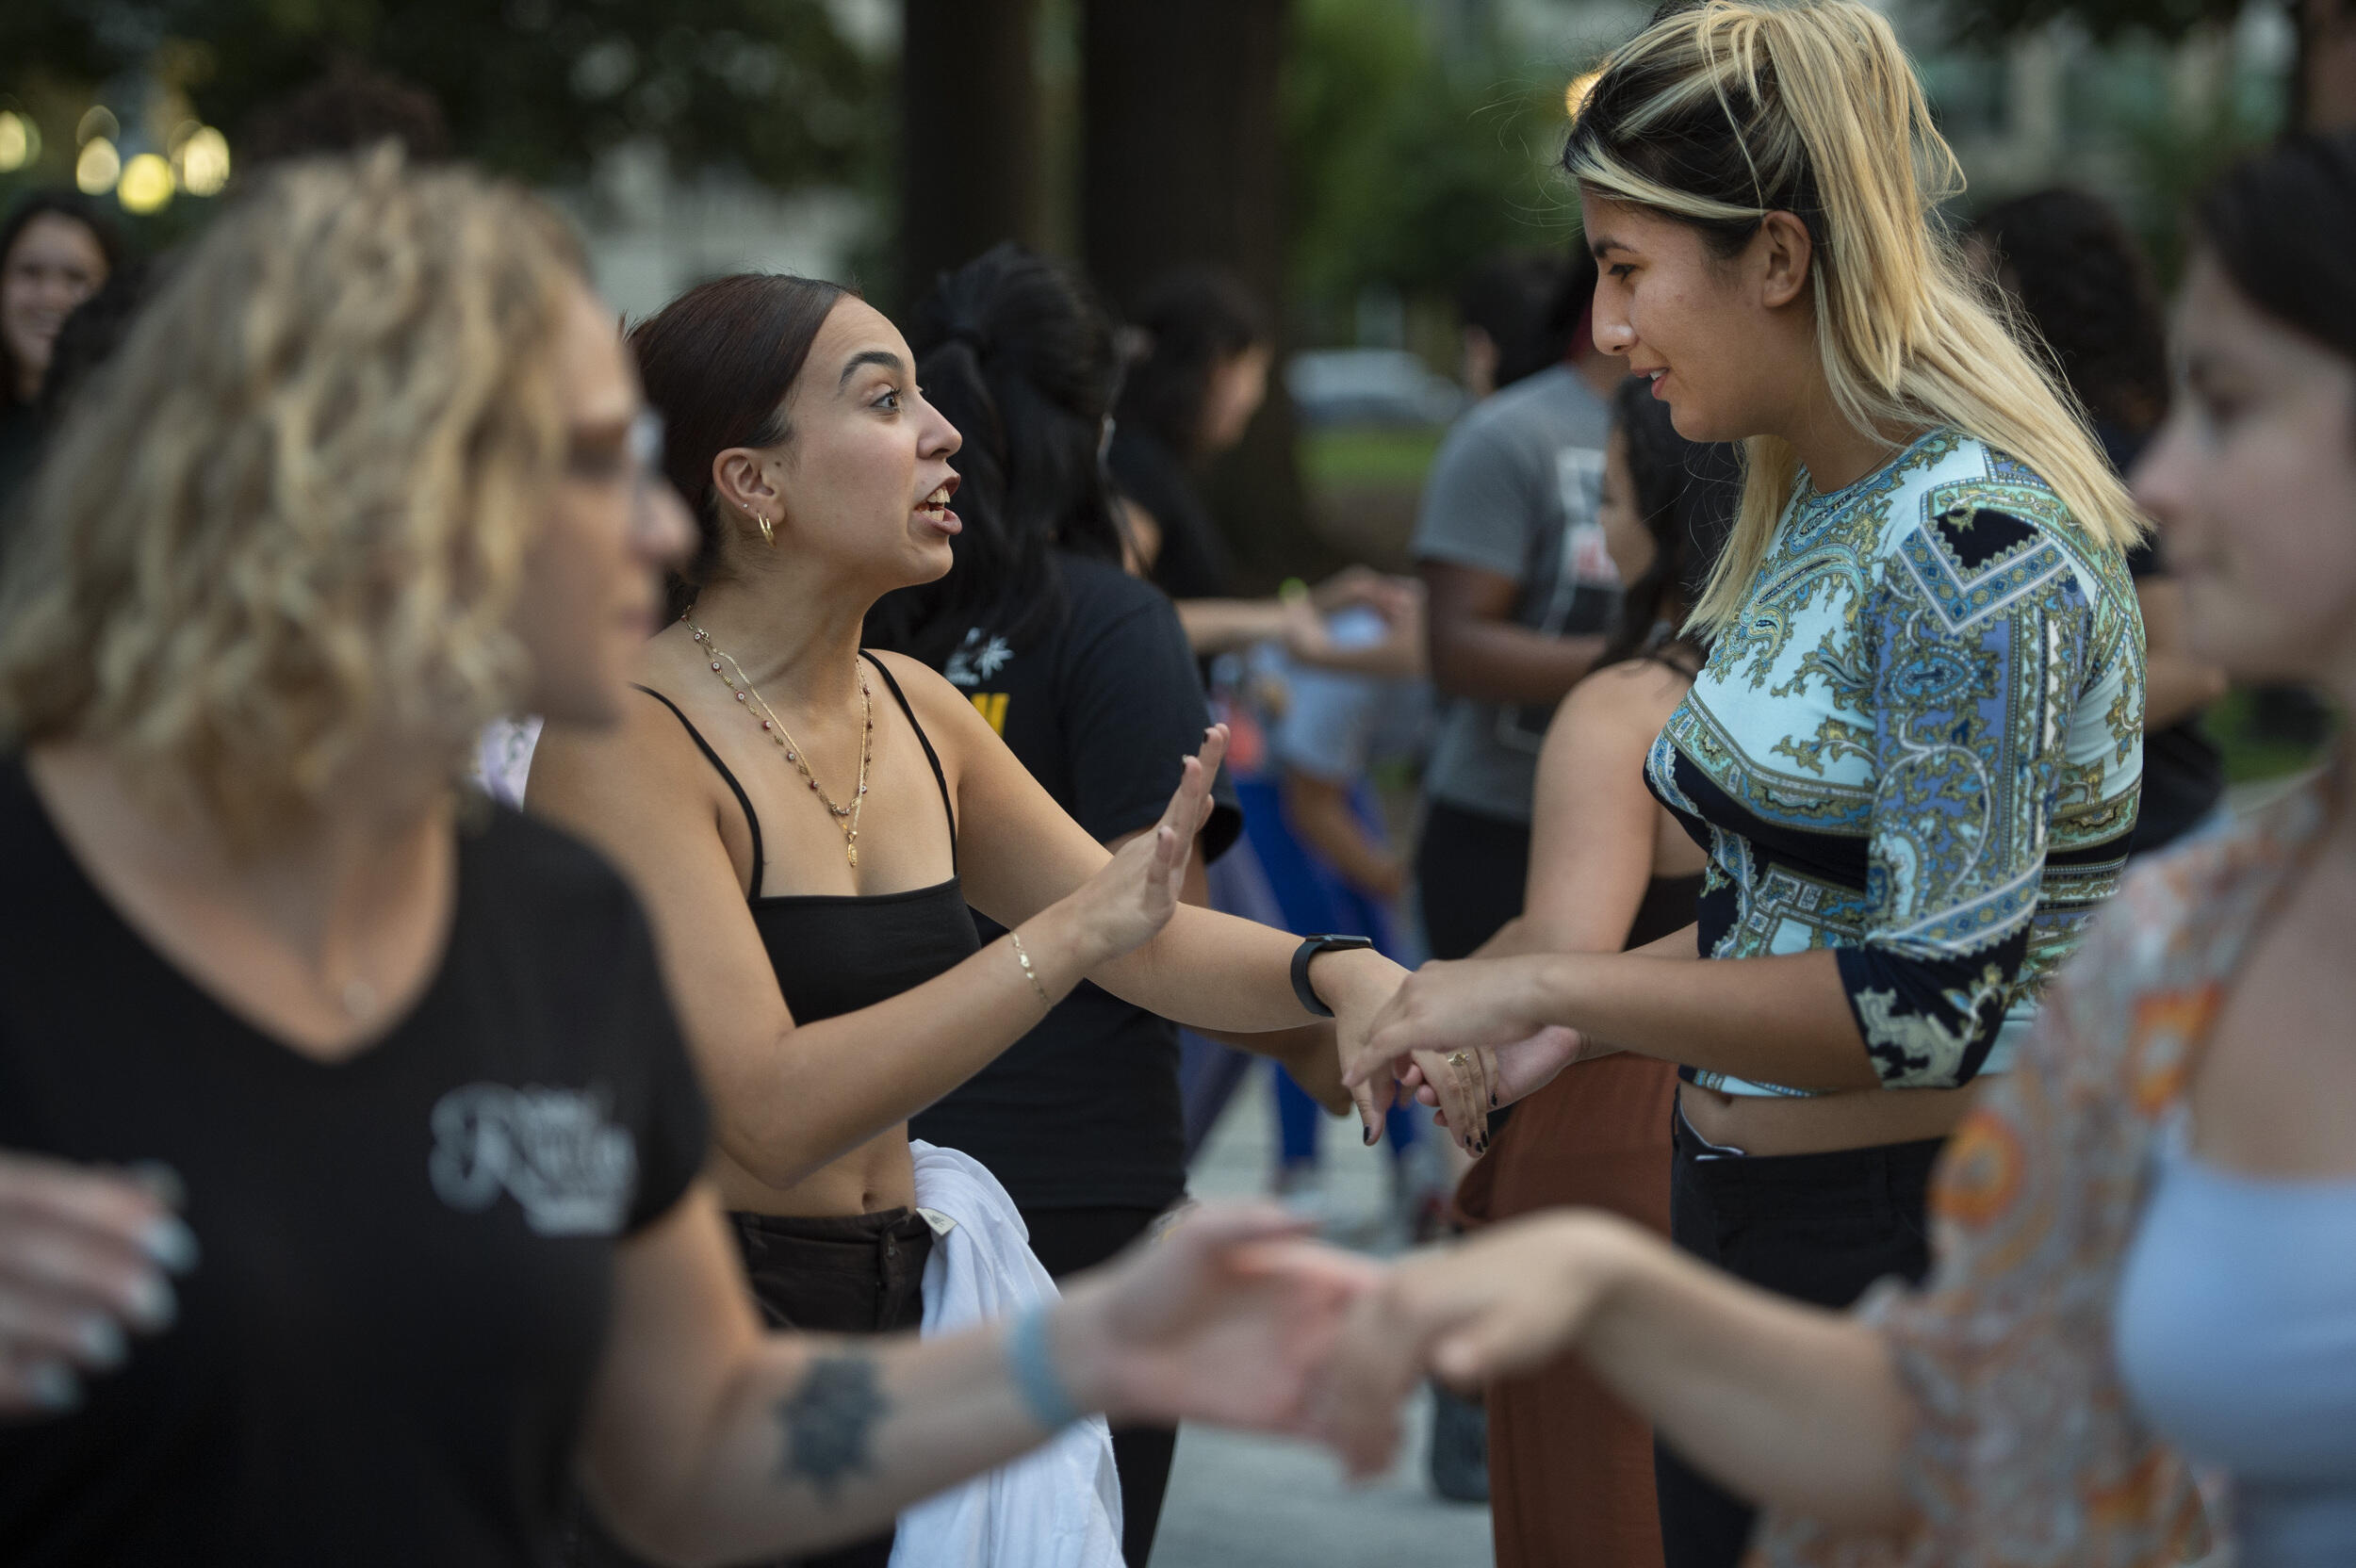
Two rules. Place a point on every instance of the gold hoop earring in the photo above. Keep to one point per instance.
(768, 530)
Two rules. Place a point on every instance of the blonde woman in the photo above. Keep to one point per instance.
(419, 1232)
(2147, 1231)
(1913, 754)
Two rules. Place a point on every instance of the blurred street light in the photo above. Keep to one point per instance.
(146, 184)
(19, 142)
(98, 124)
(201, 161)
(98, 167)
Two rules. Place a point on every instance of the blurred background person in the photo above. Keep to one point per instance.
(1512, 321)
(1570, 1467)
(1198, 372)
(1316, 827)
(1085, 673)
(56, 250)
(2086, 290)
(1521, 591)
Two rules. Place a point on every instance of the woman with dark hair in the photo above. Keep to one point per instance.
(1570, 1468)
(2081, 281)
(1188, 396)
(56, 251)
(1084, 671)
(808, 821)
(2146, 1233)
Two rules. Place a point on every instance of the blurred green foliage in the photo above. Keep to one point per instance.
(534, 87)
(1358, 456)
(1412, 162)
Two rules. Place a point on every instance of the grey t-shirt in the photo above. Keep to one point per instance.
(1515, 491)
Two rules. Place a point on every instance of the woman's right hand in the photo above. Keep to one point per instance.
(1128, 902)
(85, 1253)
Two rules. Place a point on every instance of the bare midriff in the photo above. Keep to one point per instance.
(877, 1175)
(1854, 1119)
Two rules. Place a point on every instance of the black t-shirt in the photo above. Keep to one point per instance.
(1083, 1111)
(1193, 562)
(384, 1354)
(2183, 773)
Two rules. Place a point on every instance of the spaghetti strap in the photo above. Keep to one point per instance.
(751, 820)
(930, 756)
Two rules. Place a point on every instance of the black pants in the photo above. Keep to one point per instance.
(1067, 1241)
(1470, 873)
(1818, 1228)
(859, 1274)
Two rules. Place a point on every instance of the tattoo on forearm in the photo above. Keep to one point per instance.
(829, 1420)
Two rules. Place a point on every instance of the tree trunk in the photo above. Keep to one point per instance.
(970, 134)
(2323, 75)
(1182, 163)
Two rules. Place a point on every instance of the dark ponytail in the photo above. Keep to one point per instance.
(1687, 493)
(1012, 349)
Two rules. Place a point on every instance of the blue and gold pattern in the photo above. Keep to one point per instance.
(1918, 743)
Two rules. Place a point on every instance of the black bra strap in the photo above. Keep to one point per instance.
(751, 821)
(930, 756)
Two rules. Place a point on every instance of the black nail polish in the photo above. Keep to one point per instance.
(1368, 1133)
(1493, 1099)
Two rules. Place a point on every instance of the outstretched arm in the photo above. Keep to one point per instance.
(709, 1441)
(1785, 1403)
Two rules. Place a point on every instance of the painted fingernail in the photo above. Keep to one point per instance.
(1493, 1099)
(101, 1342)
(53, 1385)
(163, 1182)
(151, 1305)
(170, 1243)
(1368, 1133)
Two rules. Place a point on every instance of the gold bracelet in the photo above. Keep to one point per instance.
(1028, 973)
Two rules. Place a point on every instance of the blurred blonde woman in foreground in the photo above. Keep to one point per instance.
(352, 1204)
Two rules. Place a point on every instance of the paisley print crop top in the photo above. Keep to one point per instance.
(1920, 744)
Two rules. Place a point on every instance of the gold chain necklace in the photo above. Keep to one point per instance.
(846, 816)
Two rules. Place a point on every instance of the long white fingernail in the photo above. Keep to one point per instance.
(102, 1342)
(151, 1305)
(169, 1242)
(53, 1385)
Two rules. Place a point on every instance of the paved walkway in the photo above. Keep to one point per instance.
(1248, 1502)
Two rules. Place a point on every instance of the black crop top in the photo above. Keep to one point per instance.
(837, 953)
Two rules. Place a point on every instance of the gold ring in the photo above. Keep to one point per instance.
(1457, 1059)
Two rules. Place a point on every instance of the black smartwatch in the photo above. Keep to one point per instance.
(1310, 947)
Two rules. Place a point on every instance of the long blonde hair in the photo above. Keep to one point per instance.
(291, 517)
(1722, 113)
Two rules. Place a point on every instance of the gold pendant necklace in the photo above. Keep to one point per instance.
(846, 817)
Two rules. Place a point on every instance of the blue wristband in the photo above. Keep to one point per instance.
(1035, 1374)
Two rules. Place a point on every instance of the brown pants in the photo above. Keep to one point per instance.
(847, 1274)
(1570, 1467)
